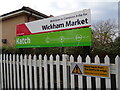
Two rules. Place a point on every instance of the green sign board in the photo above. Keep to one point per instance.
(73, 37)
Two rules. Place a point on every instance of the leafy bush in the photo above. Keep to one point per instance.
(10, 50)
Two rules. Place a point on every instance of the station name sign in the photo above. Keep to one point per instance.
(61, 31)
(66, 24)
(74, 20)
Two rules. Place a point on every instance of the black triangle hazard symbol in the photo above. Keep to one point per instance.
(76, 70)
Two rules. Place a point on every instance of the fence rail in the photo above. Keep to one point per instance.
(18, 71)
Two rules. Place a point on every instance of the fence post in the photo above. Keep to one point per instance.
(117, 62)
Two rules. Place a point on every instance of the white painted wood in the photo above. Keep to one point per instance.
(40, 63)
(108, 81)
(11, 76)
(22, 78)
(72, 76)
(40, 72)
(7, 62)
(26, 73)
(18, 74)
(30, 71)
(4, 61)
(64, 59)
(35, 71)
(45, 72)
(14, 70)
(1, 70)
(51, 72)
(117, 62)
(80, 78)
(98, 84)
(58, 71)
(89, 86)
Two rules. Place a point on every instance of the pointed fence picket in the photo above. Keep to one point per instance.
(30, 71)
(51, 72)
(17, 71)
(1, 71)
(11, 78)
(4, 61)
(108, 81)
(72, 76)
(117, 62)
(26, 69)
(40, 71)
(22, 78)
(14, 70)
(89, 86)
(58, 71)
(45, 72)
(35, 71)
(64, 58)
(7, 71)
(97, 61)
(80, 79)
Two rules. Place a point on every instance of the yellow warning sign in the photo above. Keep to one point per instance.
(96, 70)
(76, 70)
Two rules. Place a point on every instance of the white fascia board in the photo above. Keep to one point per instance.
(19, 13)
(33, 14)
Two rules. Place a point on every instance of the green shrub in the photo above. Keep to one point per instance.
(10, 50)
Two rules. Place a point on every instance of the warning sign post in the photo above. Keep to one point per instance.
(94, 70)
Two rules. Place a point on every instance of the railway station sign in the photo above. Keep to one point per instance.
(66, 30)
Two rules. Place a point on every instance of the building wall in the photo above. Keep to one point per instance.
(9, 27)
(0, 33)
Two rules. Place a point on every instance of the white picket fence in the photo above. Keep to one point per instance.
(46, 72)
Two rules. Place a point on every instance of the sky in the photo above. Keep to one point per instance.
(100, 9)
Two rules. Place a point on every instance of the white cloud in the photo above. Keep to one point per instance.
(99, 8)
